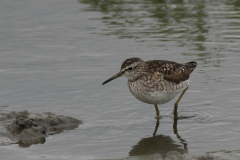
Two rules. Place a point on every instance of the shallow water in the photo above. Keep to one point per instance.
(55, 54)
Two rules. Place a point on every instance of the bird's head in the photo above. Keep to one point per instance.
(129, 69)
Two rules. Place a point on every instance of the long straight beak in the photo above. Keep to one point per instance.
(113, 77)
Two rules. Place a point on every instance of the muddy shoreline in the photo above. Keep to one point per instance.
(26, 128)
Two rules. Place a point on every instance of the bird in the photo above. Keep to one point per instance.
(156, 81)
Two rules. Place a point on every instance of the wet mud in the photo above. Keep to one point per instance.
(27, 128)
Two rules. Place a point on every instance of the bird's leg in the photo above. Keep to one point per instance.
(157, 111)
(176, 104)
(156, 128)
(175, 131)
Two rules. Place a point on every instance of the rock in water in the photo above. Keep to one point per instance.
(32, 128)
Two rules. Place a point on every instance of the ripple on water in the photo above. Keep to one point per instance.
(197, 115)
(59, 69)
(174, 155)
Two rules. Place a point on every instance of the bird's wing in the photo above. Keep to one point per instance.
(172, 71)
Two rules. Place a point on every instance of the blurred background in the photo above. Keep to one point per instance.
(55, 54)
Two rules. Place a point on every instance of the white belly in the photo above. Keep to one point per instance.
(157, 95)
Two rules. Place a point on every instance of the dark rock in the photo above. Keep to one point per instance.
(38, 125)
(32, 128)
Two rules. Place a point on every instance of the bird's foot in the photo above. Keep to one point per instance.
(175, 116)
(158, 117)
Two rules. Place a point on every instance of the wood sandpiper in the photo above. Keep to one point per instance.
(156, 81)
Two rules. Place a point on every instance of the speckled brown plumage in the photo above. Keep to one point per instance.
(171, 71)
(156, 81)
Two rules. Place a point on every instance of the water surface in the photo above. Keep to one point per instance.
(54, 56)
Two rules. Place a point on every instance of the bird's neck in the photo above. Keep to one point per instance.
(135, 77)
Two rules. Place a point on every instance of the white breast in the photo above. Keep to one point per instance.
(165, 92)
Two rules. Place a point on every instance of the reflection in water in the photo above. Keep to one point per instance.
(237, 3)
(175, 131)
(151, 20)
(197, 24)
(25, 143)
(158, 23)
(159, 144)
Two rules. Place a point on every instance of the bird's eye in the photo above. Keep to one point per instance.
(130, 68)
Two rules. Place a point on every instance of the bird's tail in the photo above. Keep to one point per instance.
(191, 64)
